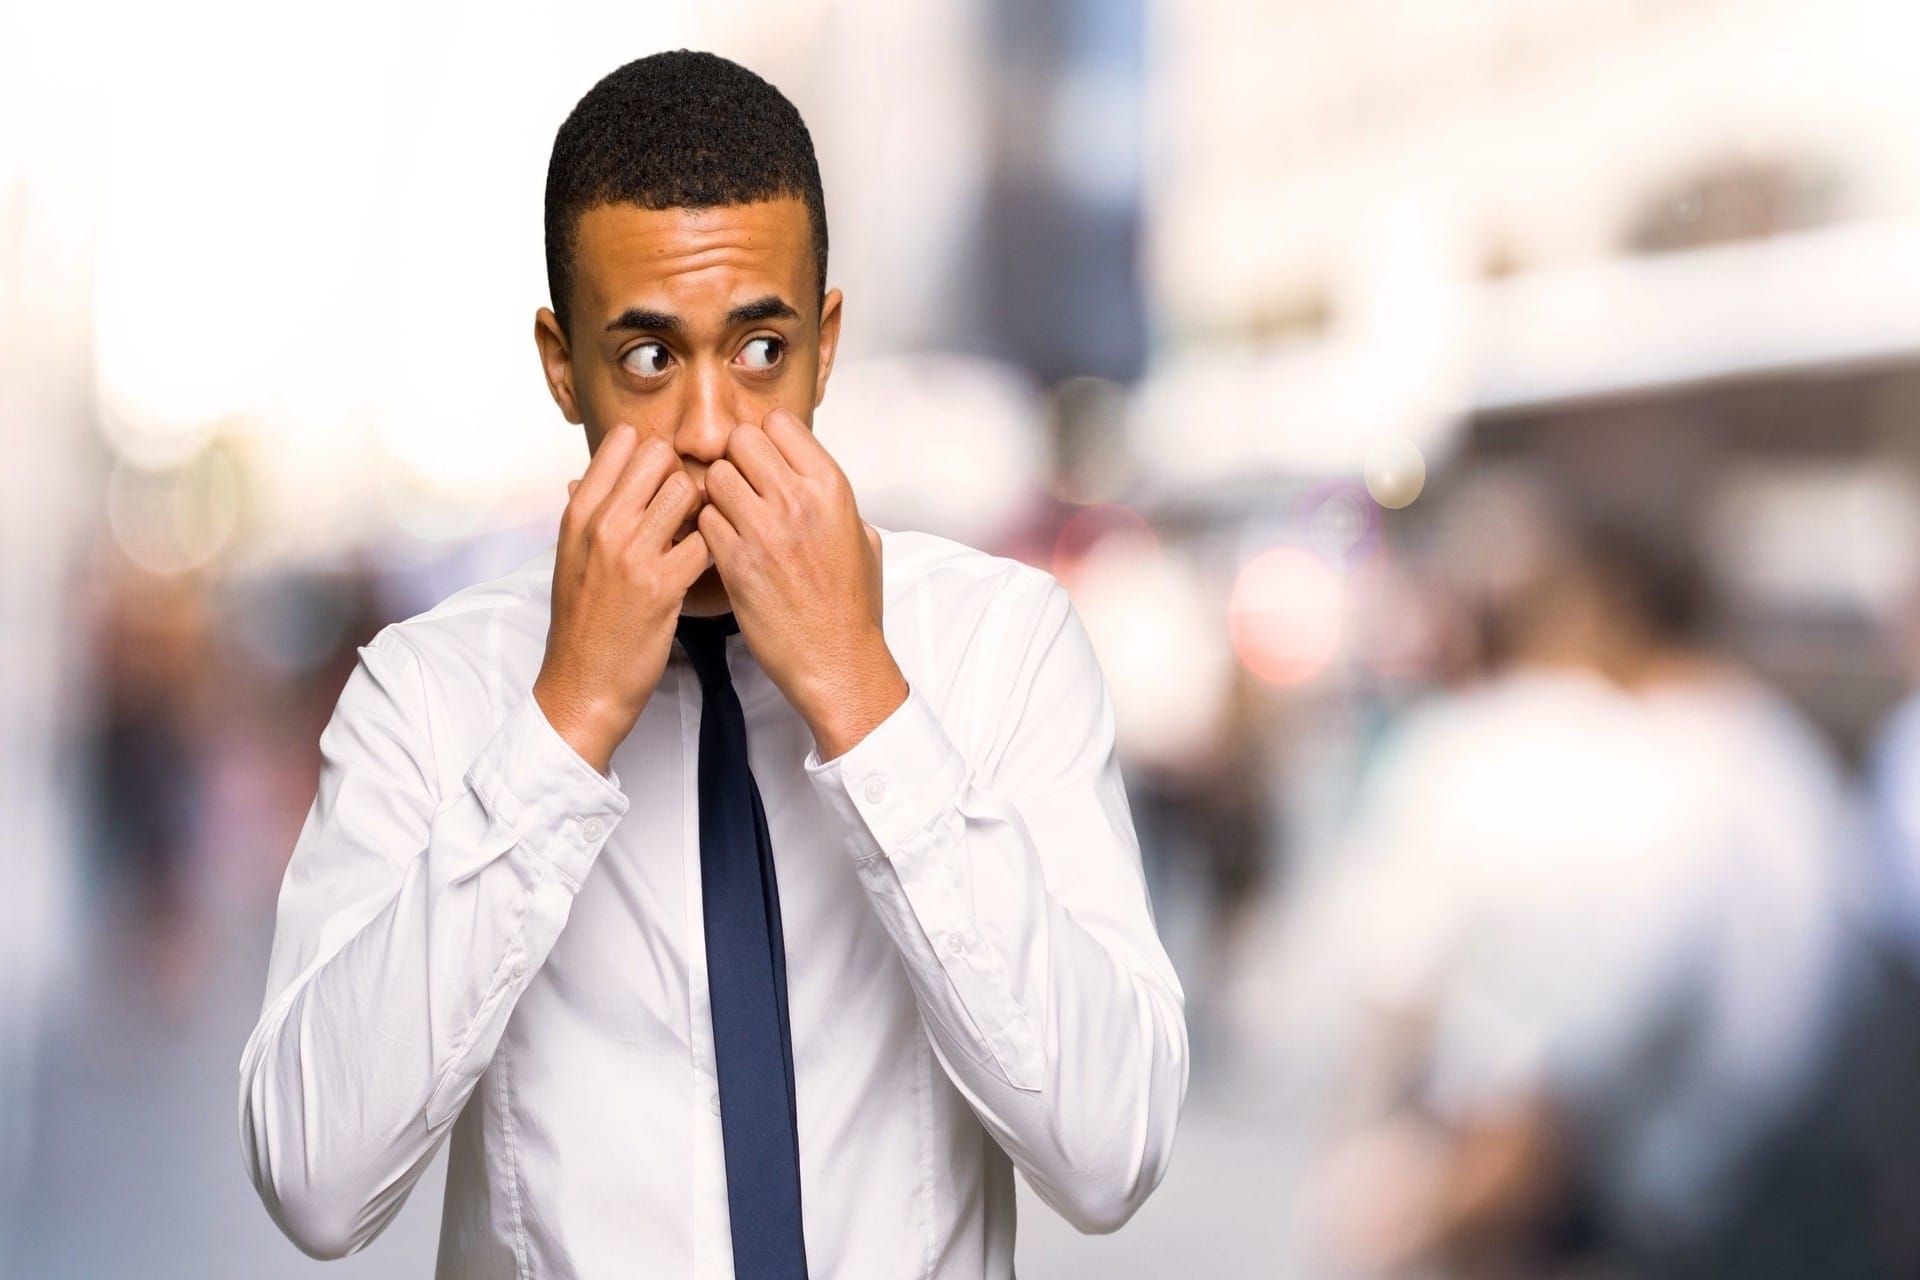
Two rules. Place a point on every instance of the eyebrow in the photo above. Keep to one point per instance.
(771, 307)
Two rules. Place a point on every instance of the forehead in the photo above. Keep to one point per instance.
(630, 256)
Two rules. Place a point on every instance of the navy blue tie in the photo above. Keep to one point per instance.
(746, 977)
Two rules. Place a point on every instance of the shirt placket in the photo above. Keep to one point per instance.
(712, 1237)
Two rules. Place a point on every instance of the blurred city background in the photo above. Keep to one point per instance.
(1482, 438)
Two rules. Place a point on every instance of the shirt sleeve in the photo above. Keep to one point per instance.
(1016, 898)
(409, 921)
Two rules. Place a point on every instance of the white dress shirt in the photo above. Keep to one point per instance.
(479, 934)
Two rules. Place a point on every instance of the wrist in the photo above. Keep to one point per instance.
(857, 707)
(593, 728)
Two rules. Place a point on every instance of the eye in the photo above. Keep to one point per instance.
(763, 353)
(648, 360)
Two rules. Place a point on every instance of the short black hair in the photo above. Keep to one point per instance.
(676, 130)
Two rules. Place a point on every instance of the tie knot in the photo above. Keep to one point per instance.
(705, 640)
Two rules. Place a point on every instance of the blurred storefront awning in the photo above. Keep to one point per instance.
(1814, 299)
(1319, 407)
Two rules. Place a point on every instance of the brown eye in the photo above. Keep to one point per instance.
(763, 353)
(648, 360)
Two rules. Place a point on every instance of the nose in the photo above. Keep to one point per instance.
(707, 418)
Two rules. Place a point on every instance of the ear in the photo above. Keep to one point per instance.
(829, 341)
(556, 361)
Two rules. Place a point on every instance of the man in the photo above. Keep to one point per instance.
(1588, 921)
(746, 889)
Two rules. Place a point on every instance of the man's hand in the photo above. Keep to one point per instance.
(802, 570)
(618, 580)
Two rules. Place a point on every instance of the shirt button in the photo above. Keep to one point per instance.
(956, 944)
(713, 1103)
(592, 830)
(876, 790)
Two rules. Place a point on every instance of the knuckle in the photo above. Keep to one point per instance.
(646, 576)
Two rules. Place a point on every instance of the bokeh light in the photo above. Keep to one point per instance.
(1156, 631)
(1395, 471)
(177, 519)
(1284, 615)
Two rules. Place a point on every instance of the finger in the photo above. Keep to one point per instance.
(797, 444)
(626, 505)
(687, 559)
(758, 459)
(608, 461)
(729, 491)
(721, 534)
(675, 500)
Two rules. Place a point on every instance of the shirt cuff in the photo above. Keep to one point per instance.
(888, 787)
(531, 779)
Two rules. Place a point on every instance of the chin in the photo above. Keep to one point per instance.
(707, 594)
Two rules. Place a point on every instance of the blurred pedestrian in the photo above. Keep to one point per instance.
(1603, 935)
(145, 746)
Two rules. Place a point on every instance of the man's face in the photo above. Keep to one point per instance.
(687, 322)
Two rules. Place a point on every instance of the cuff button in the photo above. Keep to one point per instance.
(592, 830)
(876, 790)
